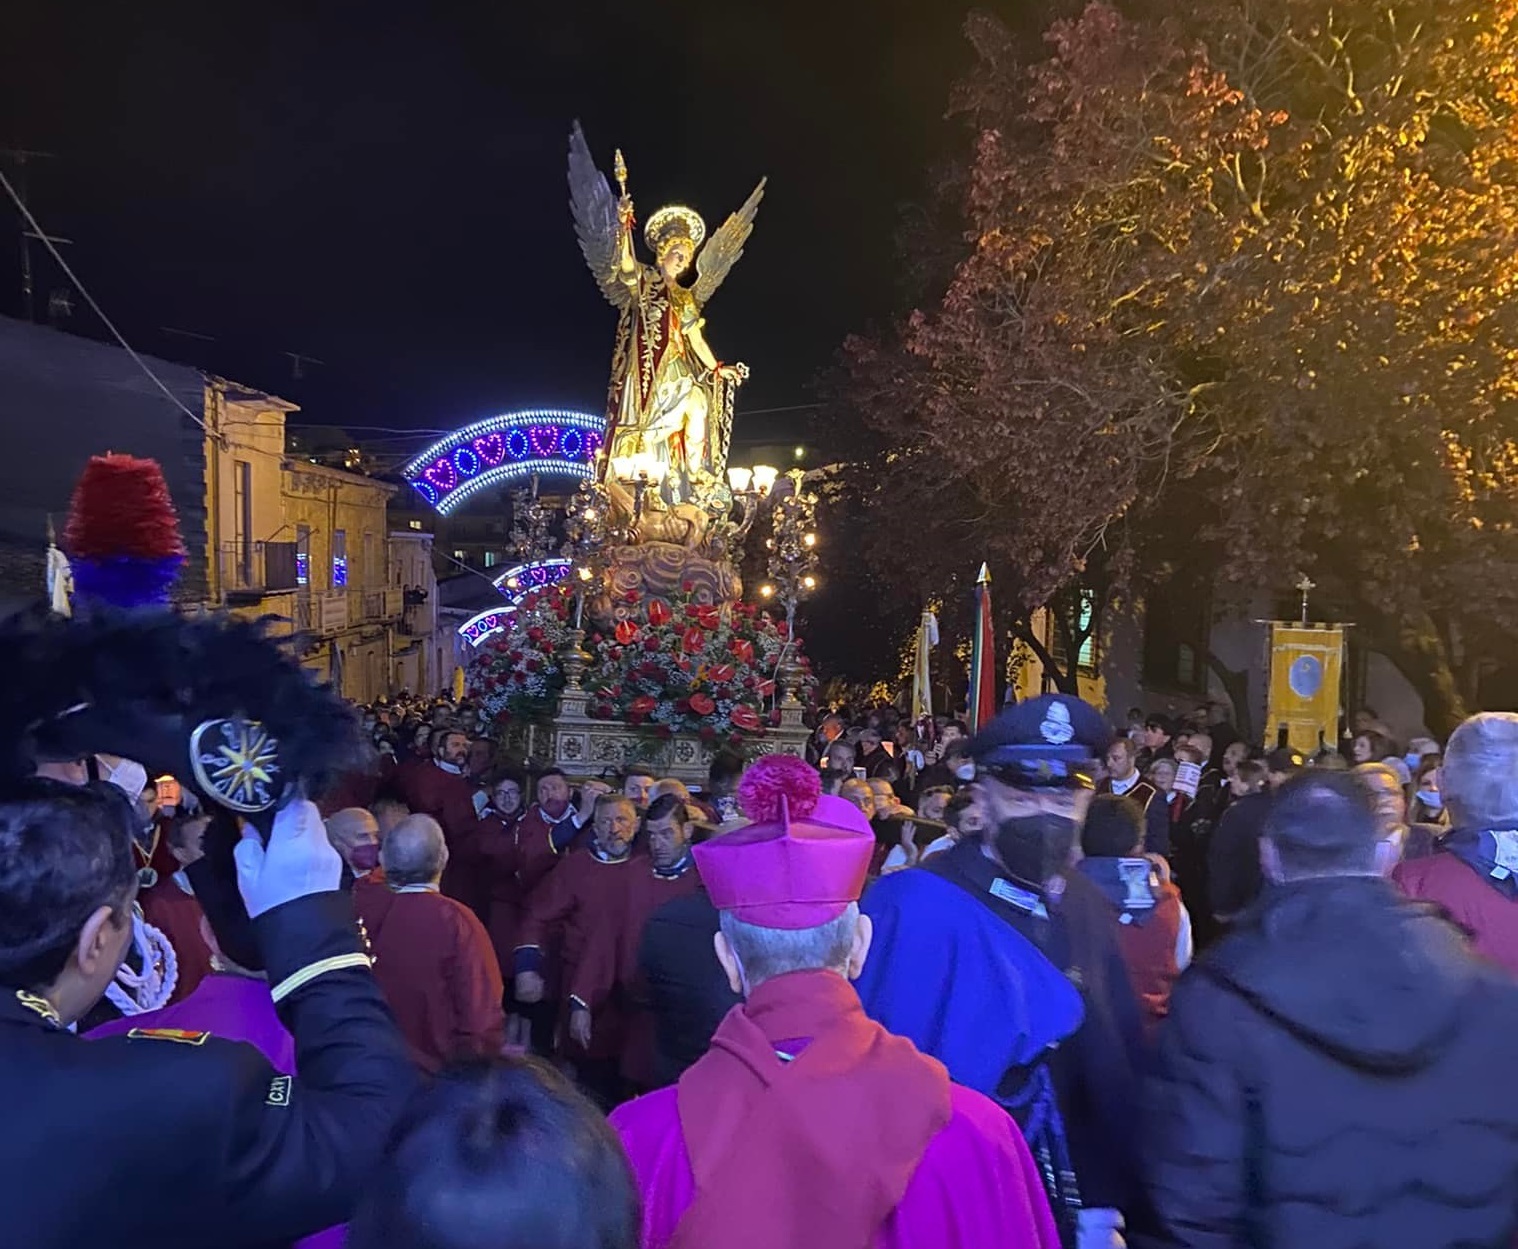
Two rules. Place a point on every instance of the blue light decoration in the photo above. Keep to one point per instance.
(502, 448)
(515, 584)
(478, 628)
(339, 571)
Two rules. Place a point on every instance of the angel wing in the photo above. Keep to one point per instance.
(725, 246)
(594, 209)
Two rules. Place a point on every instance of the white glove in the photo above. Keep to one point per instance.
(297, 862)
(1101, 1228)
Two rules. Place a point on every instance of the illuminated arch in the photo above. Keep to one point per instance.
(515, 584)
(476, 629)
(503, 448)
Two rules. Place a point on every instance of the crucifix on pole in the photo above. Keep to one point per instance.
(1306, 585)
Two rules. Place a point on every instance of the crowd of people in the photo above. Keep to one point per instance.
(1052, 983)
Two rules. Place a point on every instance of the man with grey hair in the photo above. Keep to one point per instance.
(1311, 1054)
(355, 835)
(798, 1071)
(1476, 880)
(432, 956)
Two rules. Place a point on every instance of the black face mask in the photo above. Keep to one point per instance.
(1035, 847)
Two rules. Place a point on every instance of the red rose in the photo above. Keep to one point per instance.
(723, 673)
(533, 665)
(650, 669)
(642, 705)
(692, 641)
(743, 651)
(682, 705)
(702, 704)
(664, 731)
(683, 665)
(687, 585)
(775, 718)
(651, 645)
(783, 629)
(636, 717)
(515, 657)
(745, 718)
(630, 596)
(658, 612)
(708, 617)
(707, 733)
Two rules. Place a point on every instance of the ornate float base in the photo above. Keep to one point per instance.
(585, 747)
(663, 571)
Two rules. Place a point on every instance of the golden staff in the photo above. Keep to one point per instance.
(619, 167)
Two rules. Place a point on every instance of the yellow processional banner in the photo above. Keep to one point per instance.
(1306, 667)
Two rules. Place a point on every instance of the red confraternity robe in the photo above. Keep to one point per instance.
(172, 909)
(807, 1124)
(448, 797)
(438, 972)
(590, 902)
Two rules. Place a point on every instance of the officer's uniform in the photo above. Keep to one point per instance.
(180, 1139)
(1089, 1041)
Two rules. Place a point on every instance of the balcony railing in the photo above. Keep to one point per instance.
(252, 569)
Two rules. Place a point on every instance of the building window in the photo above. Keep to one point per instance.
(491, 559)
(1084, 621)
(371, 573)
(339, 558)
(459, 555)
(302, 555)
(415, 524)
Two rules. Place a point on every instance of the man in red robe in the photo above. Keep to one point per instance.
(668, 829)
(806, 1123)
(432, 956)
(545, 834)
(585, 899)
(439, 788)
(1152, 925)
(1475, 876)
(170, 905)
(354, 834)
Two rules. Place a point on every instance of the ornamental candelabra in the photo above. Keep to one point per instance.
(792, 549)
(531, 523)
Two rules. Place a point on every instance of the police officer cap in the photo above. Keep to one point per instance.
(1046, 742)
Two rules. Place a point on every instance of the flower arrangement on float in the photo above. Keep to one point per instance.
(669, 664)
(517, 675)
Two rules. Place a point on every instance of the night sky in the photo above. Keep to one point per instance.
(382, 186)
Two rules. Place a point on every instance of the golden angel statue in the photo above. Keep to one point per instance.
(670, 407)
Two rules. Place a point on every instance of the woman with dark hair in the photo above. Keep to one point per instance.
(500, 1155)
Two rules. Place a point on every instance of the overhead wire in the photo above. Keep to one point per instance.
(42, 236)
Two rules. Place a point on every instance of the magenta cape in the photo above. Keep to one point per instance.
(975, 1188)
(234, 1008)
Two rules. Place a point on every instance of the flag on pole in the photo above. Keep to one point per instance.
(922, 687)
(982, 656)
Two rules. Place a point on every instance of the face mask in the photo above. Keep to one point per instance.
(129, 777)
(364, 857)
(1430, 798)
(965, 771)
(1035, 847)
